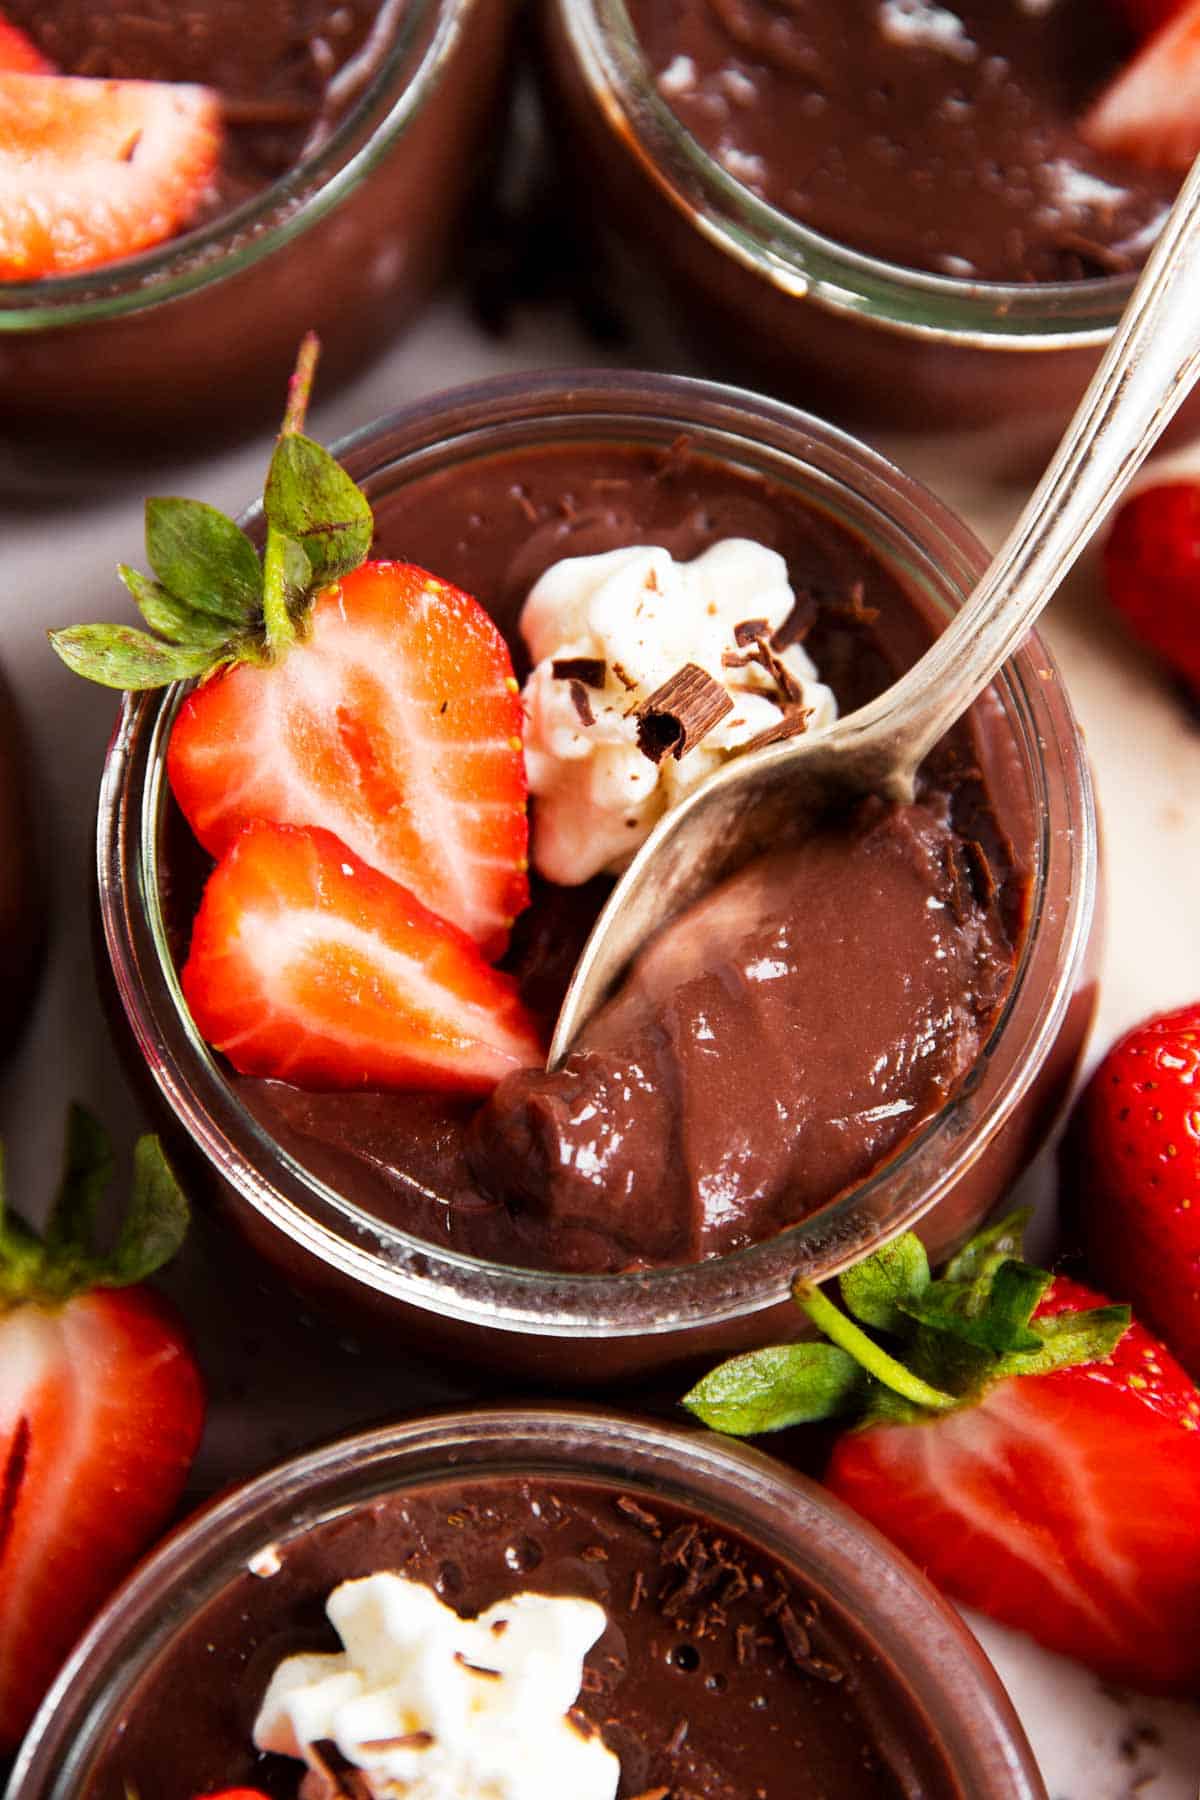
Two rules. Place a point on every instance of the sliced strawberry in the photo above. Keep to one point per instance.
(1135, 1140)
(92, 171)
(396, 725)
(19, 55)
(310, 967)
(1144, 17)
(101, 1409)
(1065, 1505)
(1151, 110)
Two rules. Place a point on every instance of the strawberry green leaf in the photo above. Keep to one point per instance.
(171, 618)
(117, 656)
(1066, 1339)
(310, 498)
(876, 1290)
(989, 1248)
(88, 1166)
(768, 1390)
(156, 1223)
(204, 559)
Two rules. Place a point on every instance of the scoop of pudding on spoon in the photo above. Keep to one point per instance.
(1148, 368)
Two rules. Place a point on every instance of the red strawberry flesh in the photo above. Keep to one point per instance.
(93, 171)
(1150, 112)
(310, 967)
(1136, 1141)
(396, 725)
(1152, 568)
(18, 54)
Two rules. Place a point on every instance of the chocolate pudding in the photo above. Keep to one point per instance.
(284, 85)
(718, 1673)
(941, 139)
(354, 135)
(777, 1045)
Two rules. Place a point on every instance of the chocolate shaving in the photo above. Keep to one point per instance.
(744, 1641)
(763, 653)
(679, 1543)
(582, 704)
(591, 670)
(637, 1591)
(677, 1738)
(679, 713)
(799, 622)
(1105, 257)
(641, 1517)
(658, 1793)
(346, 1780)
(624, 677)
(749, 631)
(594, 1553)
(799, 1647)
(980, 871)
(476, 1668)
(791, 725)
(411, 1740)
(580, 1722)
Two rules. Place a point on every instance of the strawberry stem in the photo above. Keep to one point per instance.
(300, 384)
(277, 616)
(841, 1330)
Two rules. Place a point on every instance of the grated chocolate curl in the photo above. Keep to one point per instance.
(677, 715)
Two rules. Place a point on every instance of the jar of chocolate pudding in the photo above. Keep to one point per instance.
(351, 137)
(865, 1031)
(884, 211)
(742, 1622)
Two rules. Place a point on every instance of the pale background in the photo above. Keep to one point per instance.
(60, 540)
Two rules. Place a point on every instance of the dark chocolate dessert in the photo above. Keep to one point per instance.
(941, 138)
(285, 71)
(717, 1675)
(775, 1048)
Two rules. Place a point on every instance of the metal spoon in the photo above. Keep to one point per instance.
(1150, 364)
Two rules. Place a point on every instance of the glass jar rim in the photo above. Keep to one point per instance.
(814, 268)
(537, 1302)
(264, 223)
(939, 1662)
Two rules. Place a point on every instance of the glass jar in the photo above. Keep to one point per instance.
(944, 1703)
(590, 1328)
(202, 331)
(870, 341)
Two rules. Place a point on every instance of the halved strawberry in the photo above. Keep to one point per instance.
(396, 725)
(92, 171)
(1151, 110)
(310, 967)
(101, 1408)
(1035, 1452)
(19, 55)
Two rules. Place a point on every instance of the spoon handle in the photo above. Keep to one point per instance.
(1150, 363)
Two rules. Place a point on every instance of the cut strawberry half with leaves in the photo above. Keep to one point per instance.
(19, 55)
(396, 725)
(101, 1409)
(372, 700)
(1135, 1141)
(1151, 110)
(93, 171)
(310, 967)
(1035, 1452)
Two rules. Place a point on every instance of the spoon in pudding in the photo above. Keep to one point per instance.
(1147, 370)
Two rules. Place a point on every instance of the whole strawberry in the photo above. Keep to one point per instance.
(1135, 1146)
(1035, 1452)
(1152, 568)
(101, 1409)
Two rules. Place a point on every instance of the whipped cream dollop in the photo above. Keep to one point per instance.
(434, 1707)
(638, 617)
